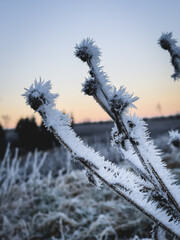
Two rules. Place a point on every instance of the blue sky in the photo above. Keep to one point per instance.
(38, 39)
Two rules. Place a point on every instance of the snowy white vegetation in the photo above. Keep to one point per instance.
(168, 43)
(36, 205)
(150, 187)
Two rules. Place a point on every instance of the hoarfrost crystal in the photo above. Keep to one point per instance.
(39, 94)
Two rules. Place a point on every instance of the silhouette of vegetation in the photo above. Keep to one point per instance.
(28, 134)
(2, 141)
(31, 136)
(47, 139)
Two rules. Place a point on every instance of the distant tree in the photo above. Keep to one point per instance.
(47, 139)
(28, 134)
(2, 142)
(159, 109)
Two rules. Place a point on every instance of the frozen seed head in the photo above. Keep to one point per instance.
(118, 104)
(39, 94)
(118, 139)
(122, 100)
(87, 51)
(174, 138)
(166, 41)
(89, 87)
(131, 124)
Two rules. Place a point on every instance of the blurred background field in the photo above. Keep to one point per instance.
(45, 195)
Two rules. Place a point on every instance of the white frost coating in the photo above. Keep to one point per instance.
(105, 168)
(124, 181)
(139, 131)
(100, 95)
(158, 213)
(88, 52)
(40, 90)
(103, 80)
(161, 234)
(132, 158)
(130, 135)
(88, 46)
(156, 196)
(124, 177)
(61, 124)
(110, 91)
(126, 97)
(150, 153)
(129, 155)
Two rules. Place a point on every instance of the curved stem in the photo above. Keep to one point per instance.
(121, 192)
(153, 179)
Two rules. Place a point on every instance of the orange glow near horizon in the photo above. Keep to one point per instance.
(94, 113)
(164, 101)
(101, 117)
(34, 45)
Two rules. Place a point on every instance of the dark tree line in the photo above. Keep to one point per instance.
(29, 137)
(2, 142)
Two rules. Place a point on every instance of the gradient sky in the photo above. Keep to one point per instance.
(38, 39)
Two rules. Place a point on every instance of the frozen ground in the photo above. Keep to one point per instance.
(35, 207)
(44, 196)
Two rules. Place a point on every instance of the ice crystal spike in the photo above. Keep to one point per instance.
(39, 94)
(87, 51)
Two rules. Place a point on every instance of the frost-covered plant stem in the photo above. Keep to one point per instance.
(168, 43)
(116, 117)
(125, 183)
(113, 113)
(116, 104)
(130, 134)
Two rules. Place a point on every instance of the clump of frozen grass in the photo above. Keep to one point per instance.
(18, 186)
(38, 206)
